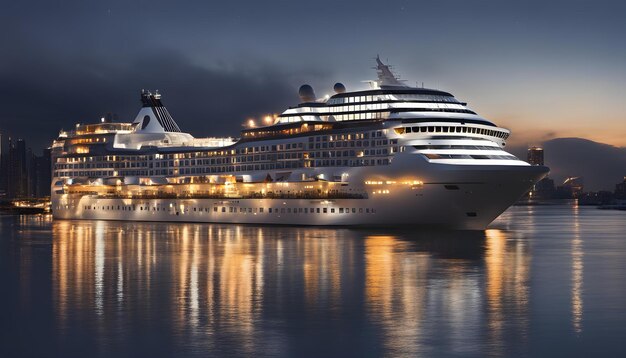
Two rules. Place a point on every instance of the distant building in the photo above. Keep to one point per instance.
(620, 190)
(43, 174)
(544, 189)
(3, 167)
(572, 188)
(31, 177)
(535, 156)
(17, 180)
(22, 173)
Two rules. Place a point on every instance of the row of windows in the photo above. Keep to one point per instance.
(352, 144)
(350, 136)
(268, 148)
(359, 107)
(454, 146)
(469, 156)
(360, 116)
(362, 113)
(391, 97)
(88, 140)
(291, 164)
(279, 131)
(453, 129)
(230, 209)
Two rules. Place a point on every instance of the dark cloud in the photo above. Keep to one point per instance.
(38, 100)
(217, 63)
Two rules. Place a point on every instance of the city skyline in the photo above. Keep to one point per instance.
(539, 73)
(23, 173)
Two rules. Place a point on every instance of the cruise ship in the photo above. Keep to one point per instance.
(387, 155)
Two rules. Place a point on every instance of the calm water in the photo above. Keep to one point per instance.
(543, 281)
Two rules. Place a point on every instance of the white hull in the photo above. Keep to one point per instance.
(470, 200)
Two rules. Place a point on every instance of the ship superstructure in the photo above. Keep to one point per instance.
(388, 155)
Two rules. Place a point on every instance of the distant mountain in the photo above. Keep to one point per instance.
(601, 165)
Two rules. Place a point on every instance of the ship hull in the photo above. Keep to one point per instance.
(457, 197)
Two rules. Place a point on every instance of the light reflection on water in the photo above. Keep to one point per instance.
(114, 288)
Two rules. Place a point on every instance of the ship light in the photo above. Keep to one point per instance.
(268, 119)
(251, 123)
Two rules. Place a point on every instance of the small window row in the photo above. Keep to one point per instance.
(234, 210)
(455, 146)
(453, 129)
(469, 156)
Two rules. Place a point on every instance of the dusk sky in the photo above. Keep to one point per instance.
(542, 69)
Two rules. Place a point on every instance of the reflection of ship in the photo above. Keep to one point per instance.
(390, 155)
(248, 286)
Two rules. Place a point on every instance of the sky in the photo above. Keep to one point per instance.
(544, 69)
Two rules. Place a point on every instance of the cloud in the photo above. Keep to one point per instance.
(38, 99)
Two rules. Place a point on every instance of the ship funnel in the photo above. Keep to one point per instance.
(153, 116)
(306, 94)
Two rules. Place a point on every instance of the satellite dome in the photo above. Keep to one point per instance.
(339, 87)
(306, 93)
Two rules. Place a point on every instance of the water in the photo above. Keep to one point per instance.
(543, 281)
